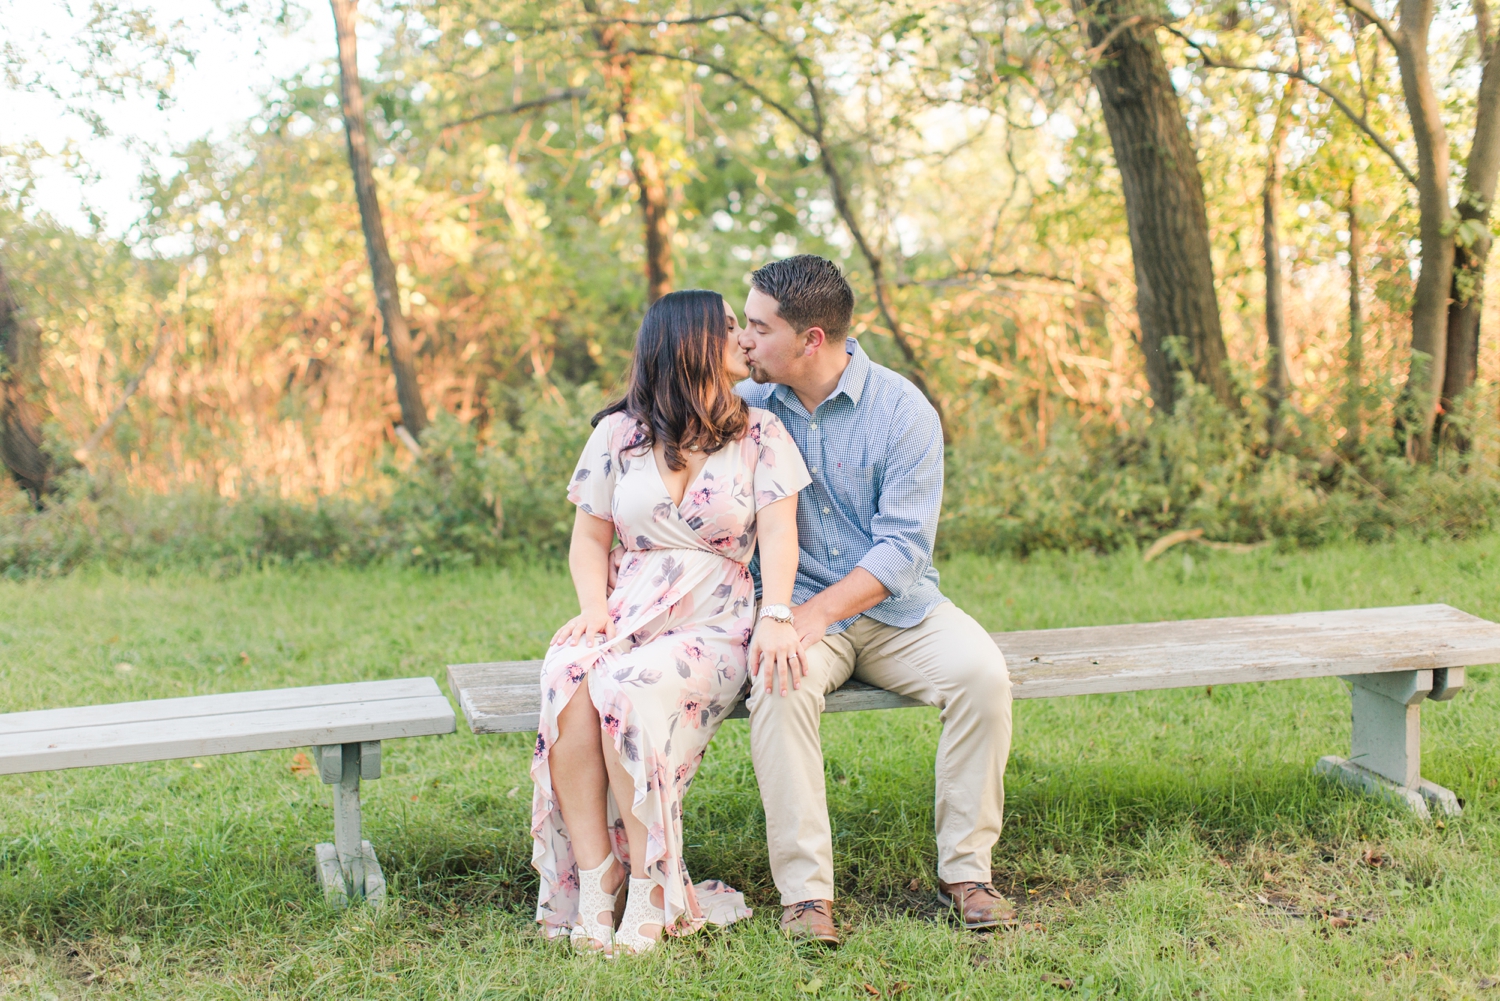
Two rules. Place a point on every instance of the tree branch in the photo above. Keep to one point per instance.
(641, 22)
(554, 97)
(1296, 74)
(769, 101)
(1008, 279)
(95, 439)
(1095, 52)
(1364, 10)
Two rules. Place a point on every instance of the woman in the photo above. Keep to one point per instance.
(634, 687)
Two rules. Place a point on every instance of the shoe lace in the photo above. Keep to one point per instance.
(973, 887)
(801, 907)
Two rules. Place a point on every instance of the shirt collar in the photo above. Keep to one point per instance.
(851, 383)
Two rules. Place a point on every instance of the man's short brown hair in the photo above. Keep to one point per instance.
(810, 291)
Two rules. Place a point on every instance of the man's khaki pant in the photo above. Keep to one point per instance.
(948, 661)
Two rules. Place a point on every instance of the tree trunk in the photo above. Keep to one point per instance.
(1169, 242)
(1277, 379)
(382, 271)
(655, 207)
(654, 210)
(1354, 358)
(20, 422)
(1466, 296)
(1429, 314)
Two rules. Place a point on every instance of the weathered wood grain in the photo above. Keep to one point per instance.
(222, 724)
(1098, 659)
(165, 710)
(505, 698)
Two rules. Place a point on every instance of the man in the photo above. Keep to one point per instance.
(866, 602)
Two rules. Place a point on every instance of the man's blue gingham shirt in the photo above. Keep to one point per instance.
(875, 452)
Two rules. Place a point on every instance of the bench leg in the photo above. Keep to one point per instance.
(347, 868)
(1386, 758)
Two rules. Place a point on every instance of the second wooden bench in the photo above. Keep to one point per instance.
(342, 724)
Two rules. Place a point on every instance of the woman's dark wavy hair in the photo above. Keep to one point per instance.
(679, 391)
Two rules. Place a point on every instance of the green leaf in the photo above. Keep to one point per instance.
(904, 26)
(1470, 233)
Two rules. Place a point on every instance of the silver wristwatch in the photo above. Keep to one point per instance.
(778, 613)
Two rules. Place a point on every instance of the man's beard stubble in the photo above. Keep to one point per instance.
(757, 374)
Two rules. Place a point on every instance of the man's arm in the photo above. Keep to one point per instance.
(859, 592)
(904, 527)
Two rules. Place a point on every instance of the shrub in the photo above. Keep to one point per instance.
(487, 496)
(470, 498)
(1204, 467)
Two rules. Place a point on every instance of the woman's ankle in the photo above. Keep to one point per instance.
(614, 876)
(614, 872)
(648, 922)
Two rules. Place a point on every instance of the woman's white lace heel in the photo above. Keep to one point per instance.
(640, 913)
(590, 934)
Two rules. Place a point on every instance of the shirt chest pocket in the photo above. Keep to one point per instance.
(854, 488)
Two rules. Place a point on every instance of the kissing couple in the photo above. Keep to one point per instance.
(775, 494)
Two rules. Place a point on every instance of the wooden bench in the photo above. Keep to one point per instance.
(343, 724)
(1394, 659)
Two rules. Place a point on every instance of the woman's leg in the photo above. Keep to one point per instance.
(579, 783)
(623, 787)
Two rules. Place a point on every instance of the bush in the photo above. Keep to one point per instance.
(470, 498)
(96, 522)
(485, 497)
(475, 498)
(1206, 468)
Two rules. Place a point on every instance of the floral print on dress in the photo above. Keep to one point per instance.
(682, 609)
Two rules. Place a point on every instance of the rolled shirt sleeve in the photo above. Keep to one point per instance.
(904, 528)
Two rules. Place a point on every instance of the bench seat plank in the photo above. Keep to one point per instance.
(1151, 655)
(187, 707)
(222, 724)
(505, 697)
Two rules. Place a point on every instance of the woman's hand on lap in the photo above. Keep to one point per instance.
(591, 627)
(776, 648)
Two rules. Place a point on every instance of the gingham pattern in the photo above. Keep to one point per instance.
(875, 452)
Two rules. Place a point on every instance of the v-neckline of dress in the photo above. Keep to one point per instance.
(686, 491)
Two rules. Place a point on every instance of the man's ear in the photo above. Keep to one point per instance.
(816, 338)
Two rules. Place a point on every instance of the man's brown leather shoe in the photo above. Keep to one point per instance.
(810, 921)
(977, 905)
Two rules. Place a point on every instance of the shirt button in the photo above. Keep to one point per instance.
(825, 510)
(834, 551)
(813, 426)
(814, 470)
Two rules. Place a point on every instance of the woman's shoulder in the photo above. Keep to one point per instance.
(762, 418)
(763, 422)
(621, 430)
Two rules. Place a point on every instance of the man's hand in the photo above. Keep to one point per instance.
(776, 648)
(612, 576)
(812, 624)
(854, 595)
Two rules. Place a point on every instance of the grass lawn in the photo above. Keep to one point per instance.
(1163, 845)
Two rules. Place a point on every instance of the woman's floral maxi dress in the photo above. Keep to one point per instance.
(683, 609)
